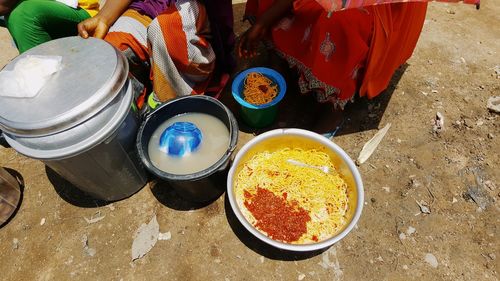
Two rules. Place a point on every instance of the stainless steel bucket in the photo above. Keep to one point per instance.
(81, 124)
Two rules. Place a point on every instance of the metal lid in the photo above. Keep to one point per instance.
(80, 138)
(93, 72)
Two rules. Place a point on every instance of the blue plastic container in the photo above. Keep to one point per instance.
(258, 116)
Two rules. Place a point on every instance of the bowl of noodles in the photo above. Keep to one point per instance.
(295, 190)
(258, 90)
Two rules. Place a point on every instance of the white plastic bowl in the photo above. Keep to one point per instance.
(281, 138)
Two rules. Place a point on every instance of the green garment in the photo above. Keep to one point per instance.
(33, 22)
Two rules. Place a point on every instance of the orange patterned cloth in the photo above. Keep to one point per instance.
(339, 54)
(174, 47)
(338, 5)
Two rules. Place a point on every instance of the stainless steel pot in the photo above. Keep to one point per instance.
(81, 124)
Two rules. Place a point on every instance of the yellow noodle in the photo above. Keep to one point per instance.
(258, 89)
(323, 195)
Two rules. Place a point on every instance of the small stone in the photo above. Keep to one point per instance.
(454, 200)
(405, 267)
(164, 236)
(410, 230)
(380, 259)
(431, 260)
(490, 185)
(414, 183)
(386, 188)
(42, 222)
(481, 87)
(438, 123)
(424, 207)
(493, 104)
(15, 243)
(491, 136)
(398, 140)
(301, 277)
(402, 236)
(479, 122)
(492, 256)
(424, 93)
(373, 200)
(468, 122)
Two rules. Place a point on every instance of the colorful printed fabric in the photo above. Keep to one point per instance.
(175, 42)
(220, 14)
(33, 22)
(150, 8)
(91, 6)
(337, 5)
(332, 52)
(396, 31)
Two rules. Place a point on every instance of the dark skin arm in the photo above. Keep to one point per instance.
(98, 26)
(250, 39)
(6, 6)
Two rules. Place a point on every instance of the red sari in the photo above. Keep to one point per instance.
(355, 50)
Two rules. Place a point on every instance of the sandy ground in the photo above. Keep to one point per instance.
(452, 72)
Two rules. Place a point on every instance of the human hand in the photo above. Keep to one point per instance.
(247, 46)
(96, 27)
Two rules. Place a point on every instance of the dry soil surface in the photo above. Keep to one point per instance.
(453, 174)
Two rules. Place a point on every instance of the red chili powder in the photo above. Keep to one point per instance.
(281, 220)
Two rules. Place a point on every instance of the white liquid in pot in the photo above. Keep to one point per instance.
(214, 144)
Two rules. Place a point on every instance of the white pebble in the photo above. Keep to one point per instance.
(164, 236)
(410, 230)
(15, 243)
(402, 236)
(42, 222)
(301, 277)
(431, 260)
(386, 188)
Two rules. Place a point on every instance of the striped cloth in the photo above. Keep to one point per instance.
(174, 46)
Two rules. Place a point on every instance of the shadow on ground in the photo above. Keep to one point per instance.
(167, 196)
(298, 110)
(72, 194)
(302, 111)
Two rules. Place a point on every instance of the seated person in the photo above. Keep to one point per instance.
(340, 54)
(33, 22)
(179, 45)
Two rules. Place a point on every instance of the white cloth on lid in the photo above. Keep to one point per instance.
(29, 76)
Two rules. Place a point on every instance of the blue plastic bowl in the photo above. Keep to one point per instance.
(263, 115)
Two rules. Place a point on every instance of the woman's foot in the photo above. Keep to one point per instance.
(328, 119)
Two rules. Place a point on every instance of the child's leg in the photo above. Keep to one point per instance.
(33, 22)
